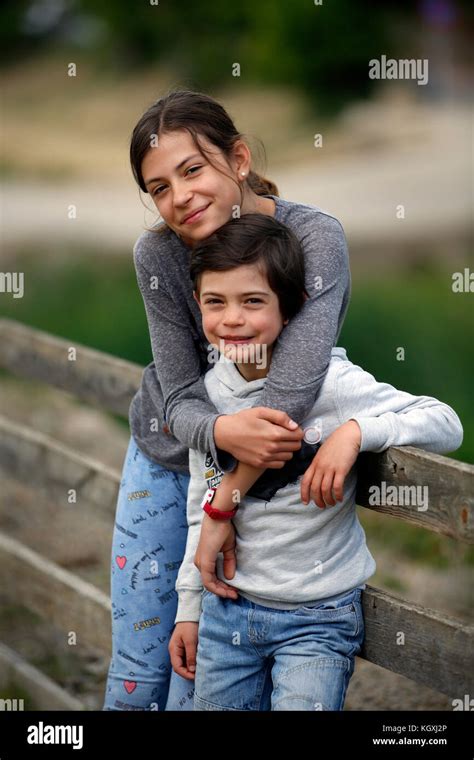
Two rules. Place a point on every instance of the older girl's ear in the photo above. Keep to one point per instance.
(196, 298)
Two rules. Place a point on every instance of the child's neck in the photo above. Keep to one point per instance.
(256, 370)
(251, 372)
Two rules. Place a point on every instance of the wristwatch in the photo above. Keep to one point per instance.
(216, 514)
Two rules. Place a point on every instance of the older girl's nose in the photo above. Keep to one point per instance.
(181, 194)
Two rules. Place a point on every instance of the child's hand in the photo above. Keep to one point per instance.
(216, 536)
(182, 649)
(323, 481)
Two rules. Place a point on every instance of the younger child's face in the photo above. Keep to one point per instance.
(241, 316)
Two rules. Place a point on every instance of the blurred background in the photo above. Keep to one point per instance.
(386, 144)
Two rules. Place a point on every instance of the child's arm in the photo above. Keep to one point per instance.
(189, 583)
(375, 416)
(390, 417)
(189, 586)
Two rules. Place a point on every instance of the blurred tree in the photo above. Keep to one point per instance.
(321, 49)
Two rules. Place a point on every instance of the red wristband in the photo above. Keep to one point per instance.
(216, 514)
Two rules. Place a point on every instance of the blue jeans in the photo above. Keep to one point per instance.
(256, 658)
(147, 549)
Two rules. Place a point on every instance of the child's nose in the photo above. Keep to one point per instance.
(233, 315)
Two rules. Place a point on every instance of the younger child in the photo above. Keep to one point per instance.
(288, 639)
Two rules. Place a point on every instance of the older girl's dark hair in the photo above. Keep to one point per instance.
(199, 114)
(256, 239)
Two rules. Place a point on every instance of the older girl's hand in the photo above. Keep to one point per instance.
(259, 436)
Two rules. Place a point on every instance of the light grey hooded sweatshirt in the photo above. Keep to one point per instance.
(290, 554)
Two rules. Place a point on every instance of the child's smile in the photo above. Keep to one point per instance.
(241, 316)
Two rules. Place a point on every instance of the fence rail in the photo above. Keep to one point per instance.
(438, 650)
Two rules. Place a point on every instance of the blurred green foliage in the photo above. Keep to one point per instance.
(321, 49)
(416, 310)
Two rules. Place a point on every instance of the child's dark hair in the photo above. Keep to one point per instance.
(199, 114)
(256, 239)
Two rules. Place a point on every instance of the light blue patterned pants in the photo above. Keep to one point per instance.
(148, 547)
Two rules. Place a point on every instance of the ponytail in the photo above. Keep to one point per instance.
(261, 185)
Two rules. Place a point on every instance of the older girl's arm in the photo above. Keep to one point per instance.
(301, 357)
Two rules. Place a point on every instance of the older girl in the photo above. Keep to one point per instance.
(188, 155)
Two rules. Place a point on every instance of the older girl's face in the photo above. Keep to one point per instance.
(193, 198)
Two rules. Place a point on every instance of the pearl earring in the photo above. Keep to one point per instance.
(243, 174)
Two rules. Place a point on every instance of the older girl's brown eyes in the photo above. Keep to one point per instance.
(157, 190)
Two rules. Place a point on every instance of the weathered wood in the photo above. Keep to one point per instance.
(438, 651)
(419, 643)
(38, 460)
(45, 693)
(56, 595)
(448, 483)
(95, 377)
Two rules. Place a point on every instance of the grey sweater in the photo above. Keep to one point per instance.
(290, 554)
(172, 390)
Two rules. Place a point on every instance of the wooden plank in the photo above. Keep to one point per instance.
(44, 692)
(95, 377)
(421, 644)
(37, 459)
(400, 471)
(437, 650)
(58, 596)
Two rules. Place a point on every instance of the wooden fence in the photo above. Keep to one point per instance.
(438, 650)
